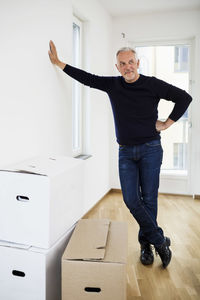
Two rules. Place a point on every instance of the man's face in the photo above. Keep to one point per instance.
(127, 65)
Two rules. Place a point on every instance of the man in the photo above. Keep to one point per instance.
(134, 99)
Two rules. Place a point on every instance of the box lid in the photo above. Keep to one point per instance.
(98, 240)
(88, 241)
(44, 166)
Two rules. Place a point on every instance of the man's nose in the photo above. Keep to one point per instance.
(128, 65)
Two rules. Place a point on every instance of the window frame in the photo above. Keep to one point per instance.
(172, 180)
(77, 94)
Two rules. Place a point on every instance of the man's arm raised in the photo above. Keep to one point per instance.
(54, 56)
(102, 83)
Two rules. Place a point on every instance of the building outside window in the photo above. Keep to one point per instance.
(179, 156)
(181, 59)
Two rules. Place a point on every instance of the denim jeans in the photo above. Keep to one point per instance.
(139, 170)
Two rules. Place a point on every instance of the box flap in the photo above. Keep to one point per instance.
(44, 166)
(24, 171)
(88, 241)
(117, 244)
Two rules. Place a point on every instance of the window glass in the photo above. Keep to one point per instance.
(76, 92)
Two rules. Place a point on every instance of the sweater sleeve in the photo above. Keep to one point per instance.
(98, 82)
(172, 93)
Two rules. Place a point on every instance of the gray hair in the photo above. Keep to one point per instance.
(126, 49)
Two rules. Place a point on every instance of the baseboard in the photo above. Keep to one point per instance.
(167, 194)
(171, 194)
(116, 190)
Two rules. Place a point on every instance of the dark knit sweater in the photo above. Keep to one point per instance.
(135, 104)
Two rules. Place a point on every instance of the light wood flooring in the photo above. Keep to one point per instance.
(179, 216)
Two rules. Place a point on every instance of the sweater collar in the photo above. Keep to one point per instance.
(135, 83)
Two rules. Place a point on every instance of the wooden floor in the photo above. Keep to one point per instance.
(179, 216)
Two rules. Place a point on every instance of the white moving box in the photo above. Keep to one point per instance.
(33, 273)
(40, 199)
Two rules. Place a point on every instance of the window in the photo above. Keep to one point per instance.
(77, 90)
(180, 151)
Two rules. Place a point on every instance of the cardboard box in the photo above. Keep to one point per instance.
(31, 273)
(94, 262)
(40, 199)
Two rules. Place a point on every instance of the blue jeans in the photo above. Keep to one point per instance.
(139, 170)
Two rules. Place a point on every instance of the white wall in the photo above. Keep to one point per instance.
(35, 96)
(165, 26)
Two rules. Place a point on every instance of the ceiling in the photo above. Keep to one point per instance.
(120, 8)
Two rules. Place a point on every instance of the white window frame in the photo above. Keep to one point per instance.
(174, 176)
(77, 95)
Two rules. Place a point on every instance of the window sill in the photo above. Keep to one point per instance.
(83, 156)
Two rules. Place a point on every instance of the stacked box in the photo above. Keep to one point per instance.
(40, 199)
(40, 202)
(29, 273)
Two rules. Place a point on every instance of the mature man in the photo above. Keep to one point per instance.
(134, 99)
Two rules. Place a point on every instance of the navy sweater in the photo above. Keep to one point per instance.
(135, 104)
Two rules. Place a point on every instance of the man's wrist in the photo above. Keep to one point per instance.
(168, 123)
(61, 65)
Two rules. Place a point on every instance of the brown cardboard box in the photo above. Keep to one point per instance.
(94, 262)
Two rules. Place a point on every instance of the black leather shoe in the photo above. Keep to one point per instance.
(164, 252)
(146, 256)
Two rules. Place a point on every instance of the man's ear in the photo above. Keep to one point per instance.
(138, 63)
(117, 67)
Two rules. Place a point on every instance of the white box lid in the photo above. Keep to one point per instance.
(44, 166)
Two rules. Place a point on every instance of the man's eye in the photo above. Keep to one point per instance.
(131, 62)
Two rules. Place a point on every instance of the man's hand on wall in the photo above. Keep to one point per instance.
(54, 56)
